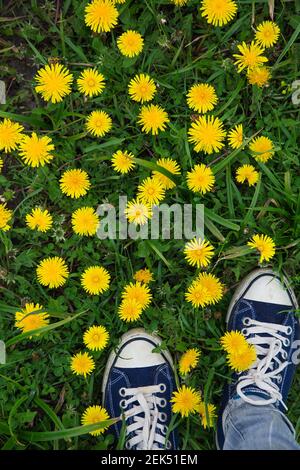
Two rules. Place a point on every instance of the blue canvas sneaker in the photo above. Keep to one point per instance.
(138, 384)
(263, 309)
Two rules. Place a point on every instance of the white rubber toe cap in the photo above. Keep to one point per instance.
(138, 353)
(264, 285)
(269, 289)
(136, 350)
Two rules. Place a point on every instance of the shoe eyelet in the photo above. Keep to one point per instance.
(289, 330)
(279, 379)
(168, 445)
(284, 354)
(163, 417)
(245, 332)
(162, 388)
(127, 445)
(246, 321)
(163, 402)
(123, 404)
(286, 342)
(122, 392)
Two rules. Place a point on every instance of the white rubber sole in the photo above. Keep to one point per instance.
(135, 333)
(245, 283)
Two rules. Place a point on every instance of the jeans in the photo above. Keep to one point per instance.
(250, 427)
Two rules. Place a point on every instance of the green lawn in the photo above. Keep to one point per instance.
(38, 392)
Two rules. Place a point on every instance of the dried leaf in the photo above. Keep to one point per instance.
(271, 8)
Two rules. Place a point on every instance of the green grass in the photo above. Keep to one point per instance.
(41, 402)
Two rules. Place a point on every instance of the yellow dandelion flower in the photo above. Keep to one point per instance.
(36, 151)
(189, 360)
(1, 164)
(200, 179)
(213, 285)
(98, 123)
(101, 16)
(95, 280)
(202, 97)
(185, 401)
(234, 342)
(262, 149)
(150, 191)
(244, 360)
(236, 136)
(143, 275)
(10, 135)
(265, 245)
(247, 173)
(39, 220)
(75, 183)
(91, 82)
(267, 33)
(208, 414)
(153, 119)
(52, 272)
(130, 310)
(96, 338)
(82, 364)
(122, 161)
(118, 1)
(198, 252)
(138, 213)
(142, 88)
(54, 82)
(5, 217)
(170, 165)
(95, 414)
(31, 317)
(138, 292)
(197, 295)
(207, 134)
(250, 56)
(218, 12)
(130, 43)
(179, 3)
(259, 76)
(85, 221)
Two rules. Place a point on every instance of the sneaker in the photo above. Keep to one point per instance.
(263, 309)
(138, 384)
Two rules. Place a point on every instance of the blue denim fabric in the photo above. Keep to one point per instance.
(250, 427)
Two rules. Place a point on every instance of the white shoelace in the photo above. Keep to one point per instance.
(146, 416)
(271, 360)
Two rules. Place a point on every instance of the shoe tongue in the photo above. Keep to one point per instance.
(254, 392)
(270, 313)
(140, 376)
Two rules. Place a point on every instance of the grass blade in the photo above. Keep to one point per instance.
(154, 167)
(288, 45)
(65, 433)
(44, 329)
(253, 202)
(220, 220)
